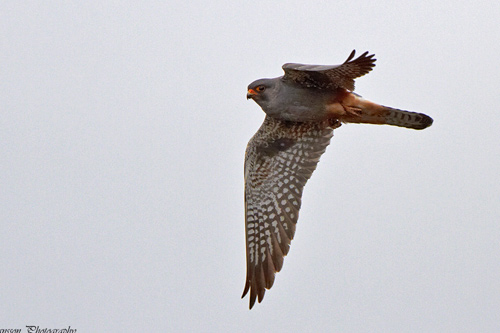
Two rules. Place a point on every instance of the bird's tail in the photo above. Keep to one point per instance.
(361, 111)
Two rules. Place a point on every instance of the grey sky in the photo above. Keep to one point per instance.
(122, 137)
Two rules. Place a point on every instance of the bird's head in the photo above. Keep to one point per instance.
(260, 90)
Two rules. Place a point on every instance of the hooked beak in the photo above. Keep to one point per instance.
(251, 93)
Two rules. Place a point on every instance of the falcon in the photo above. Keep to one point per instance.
(302, 108)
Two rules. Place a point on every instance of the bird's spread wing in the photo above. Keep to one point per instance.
(330, 77)
(279, 160)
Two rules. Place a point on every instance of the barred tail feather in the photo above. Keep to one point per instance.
(391, 116)
(407, 119)
(362, 111)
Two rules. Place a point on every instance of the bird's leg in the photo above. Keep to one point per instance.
(352, 110)
(345, 104)
(356, 106)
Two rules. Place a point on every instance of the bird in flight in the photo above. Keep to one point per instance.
(302, 108)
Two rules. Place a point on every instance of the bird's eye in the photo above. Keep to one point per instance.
(260, 88)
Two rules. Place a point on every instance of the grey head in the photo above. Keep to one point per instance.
(262, 91)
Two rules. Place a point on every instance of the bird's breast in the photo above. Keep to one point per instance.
(302, 105)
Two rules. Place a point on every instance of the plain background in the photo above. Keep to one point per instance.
(122, 133)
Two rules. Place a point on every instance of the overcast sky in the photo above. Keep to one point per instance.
(122, 135)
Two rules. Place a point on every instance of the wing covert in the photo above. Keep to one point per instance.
(330, 77)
